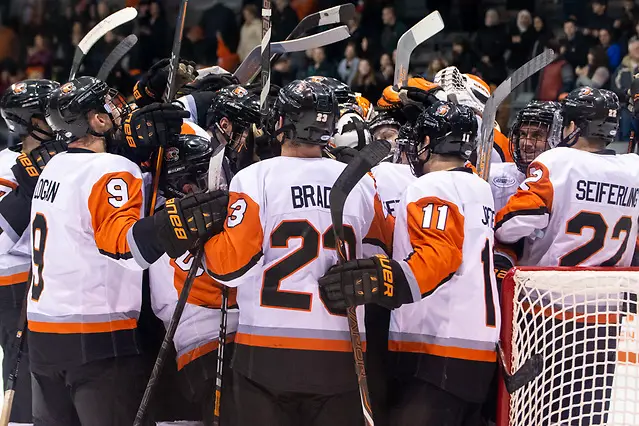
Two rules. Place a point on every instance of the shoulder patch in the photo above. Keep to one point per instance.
(504, 181)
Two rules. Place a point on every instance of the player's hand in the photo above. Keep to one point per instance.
(154, 125)
(152, 85)
(29, 166)
(209, 83)
(343, 154)
(357, 282)
(185, 223)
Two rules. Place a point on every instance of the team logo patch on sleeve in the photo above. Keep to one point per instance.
(67, 88)
(19, 88)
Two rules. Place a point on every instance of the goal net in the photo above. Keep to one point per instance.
(583, 321)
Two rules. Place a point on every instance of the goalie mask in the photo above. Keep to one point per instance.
(451, 130)
(186, 166)
(595, 113)
(537, 128)
(463, 89)
(72, 102)
(24, 101)
(352, 131)
(305, 111)
(232, 112)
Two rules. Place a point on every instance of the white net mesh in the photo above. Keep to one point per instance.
(584, 323)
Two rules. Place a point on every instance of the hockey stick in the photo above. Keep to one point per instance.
(115, 56)
(265, 51)
(419, 33)
(496, 98)
(174, 63)
(533, 366)
(333, 15)
(168, 339)
(252, 63)
(18, 346)
(368, 157)
(107, 24)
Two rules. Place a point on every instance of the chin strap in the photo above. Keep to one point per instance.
(572, 138)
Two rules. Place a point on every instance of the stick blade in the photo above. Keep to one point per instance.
(419, 33)
(115, 56)
(526, 373)
(368, 157)
(216, 179)
(333, 15)
(324, 38)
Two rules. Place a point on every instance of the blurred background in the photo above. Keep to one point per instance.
(597, 42)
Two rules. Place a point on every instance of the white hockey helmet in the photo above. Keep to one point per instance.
(464, 89)
(349, 128)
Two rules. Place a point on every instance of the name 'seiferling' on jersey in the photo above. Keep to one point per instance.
(392, 180)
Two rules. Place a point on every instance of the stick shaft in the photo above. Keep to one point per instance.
(266, 57)
(219, 373)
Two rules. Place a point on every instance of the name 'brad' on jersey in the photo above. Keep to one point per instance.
(305, 196)
(610, 193)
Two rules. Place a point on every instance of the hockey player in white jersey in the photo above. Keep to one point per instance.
(293, 362)
(578, 207)
(537, 128)
(196, 339)
(87, 260)
(23, 107)
(440, 281)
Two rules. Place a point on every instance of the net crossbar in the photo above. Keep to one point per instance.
(584, 323)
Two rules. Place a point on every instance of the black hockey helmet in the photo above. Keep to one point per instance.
(186, 166)
(305, 111)
(343, 93)
(595, 113)
(452, 130)
(241, 107)
(26, 100)
(71, 102)
(536, 129)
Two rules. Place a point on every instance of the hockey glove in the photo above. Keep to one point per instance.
(343, 154)
(152, 85)
(154, 125)
(185, 223)
(357, 282)
(503, 263)
(29, 166)
(209, 83)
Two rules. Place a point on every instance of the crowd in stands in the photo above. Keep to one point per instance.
(595, 48)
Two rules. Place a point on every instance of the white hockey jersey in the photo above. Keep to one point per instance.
(444, 241)
(575, 208)
(198, 331)
(392, 180)
(277, 242)
(86, 282)
(504, 180)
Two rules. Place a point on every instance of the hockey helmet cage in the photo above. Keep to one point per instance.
(464, 89)
(186, 166)
(26, 100)
(306, 111)
(70, 103)
(537, 128)
(595, 113)
(352, 131)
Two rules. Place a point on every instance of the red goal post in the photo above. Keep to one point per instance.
(584, 323)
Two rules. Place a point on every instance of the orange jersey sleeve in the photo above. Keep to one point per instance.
(115, 204)
(502, 146)
(380, 233)
(529, 208)
(205, 291)
(238, 247)
(436, 232)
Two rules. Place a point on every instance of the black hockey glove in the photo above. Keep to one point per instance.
(209, 83)
(184, 223)
(357, 282)
(343, 154)
(29, 166)
(502, 264)
(152, 85)
(154, 125)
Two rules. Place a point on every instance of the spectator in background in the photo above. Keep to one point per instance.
(620, 84)
(216, 21)
(226, 58)
(542, 35)
(194, 47)
(635, 35)
(251, 31)
(522, 38)
(596, 73)
(490, 45)
(556, 78)
(386, 70)
(597, 20)
(365, 81)
(284, 20)
(9, 43)
(153, 36)
(625, 24)
(348, 66)
(39, 58)
(320, 65)
(575, 43)
(462, 56)
(392, 30)
(613, 50)
(357, 33)
(437, 64)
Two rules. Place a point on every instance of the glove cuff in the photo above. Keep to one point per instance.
(394, 289)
